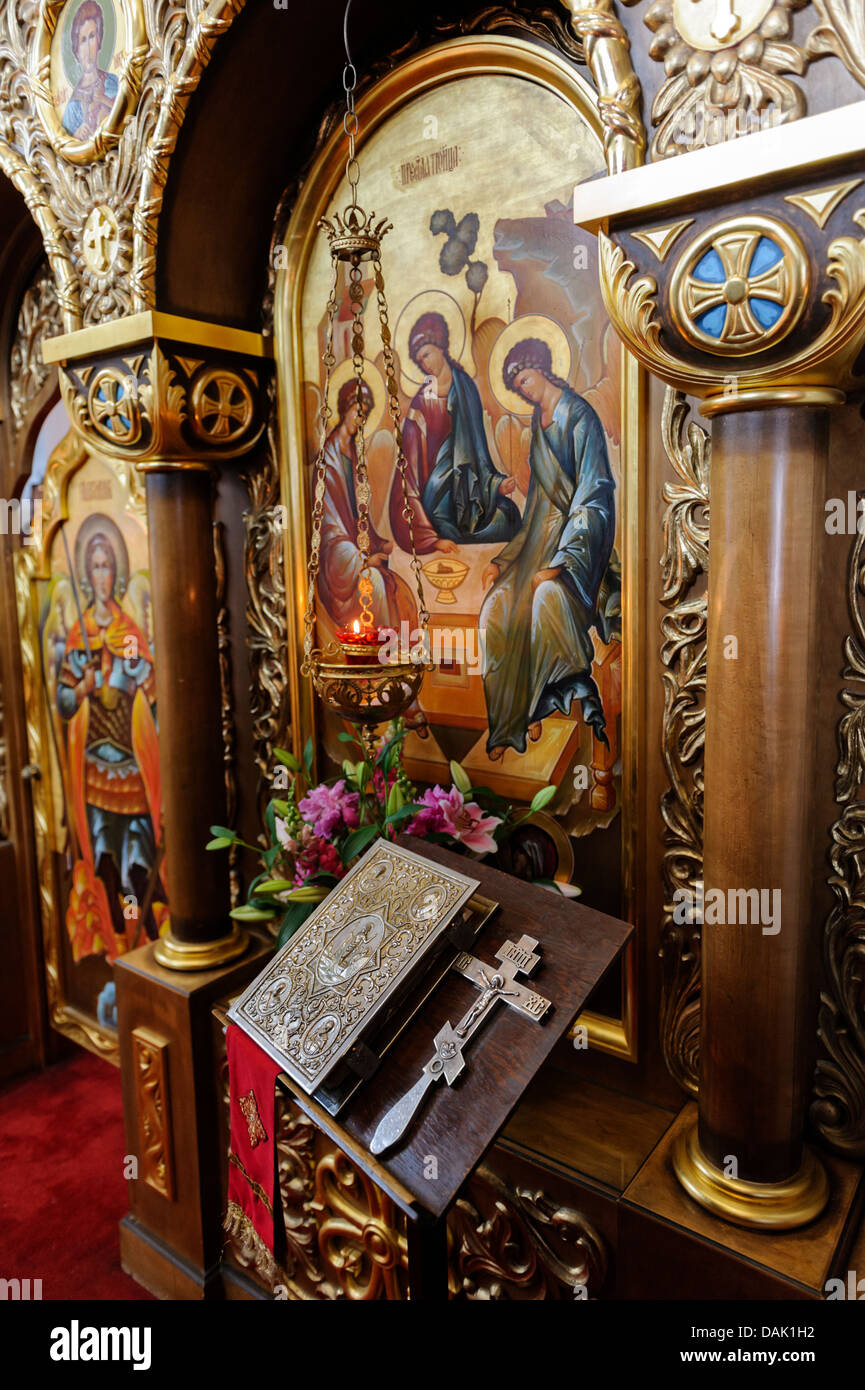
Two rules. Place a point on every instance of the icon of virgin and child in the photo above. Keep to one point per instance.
(543, 584)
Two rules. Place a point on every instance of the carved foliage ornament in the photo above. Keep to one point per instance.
(683, 653)
(511, 1242)
(150, 1070)
(38, 318)
(841, 31)
(266, 613)
(108, 147)
(838, 1110)
(728, 65)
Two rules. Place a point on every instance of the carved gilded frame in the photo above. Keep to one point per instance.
(463, 57)
(128, 83)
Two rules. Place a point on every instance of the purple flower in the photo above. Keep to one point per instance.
(330, 810)
(432, 818)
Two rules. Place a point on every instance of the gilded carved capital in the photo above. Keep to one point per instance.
(164, 392)
(737, 273)
(758, 303)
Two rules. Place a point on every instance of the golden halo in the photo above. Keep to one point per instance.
(428, 302)
(374, 380)
(527, 326)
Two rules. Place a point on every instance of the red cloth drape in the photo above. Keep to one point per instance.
(253, 1193)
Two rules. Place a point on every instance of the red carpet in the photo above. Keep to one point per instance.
(62, 1190)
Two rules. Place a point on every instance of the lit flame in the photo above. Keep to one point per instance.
(356, 625)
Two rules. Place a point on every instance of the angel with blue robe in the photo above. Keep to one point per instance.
(456, 494)
(546, 582)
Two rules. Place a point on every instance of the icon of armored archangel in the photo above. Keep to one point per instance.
(94, 92)
(104, 693)
(456, 493)
(546, 582)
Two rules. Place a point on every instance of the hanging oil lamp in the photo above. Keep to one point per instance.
(350, 676)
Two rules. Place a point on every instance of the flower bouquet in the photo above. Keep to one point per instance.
(315, 832)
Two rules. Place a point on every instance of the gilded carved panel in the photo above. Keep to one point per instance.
(345, 1239)
(683, 653)
(838, 1107)
(92, 96)
(150, 1073)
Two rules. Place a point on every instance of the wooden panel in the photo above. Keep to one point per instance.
(660, 1261)
(604, 1134)
(174, 1009)
(805, 1256)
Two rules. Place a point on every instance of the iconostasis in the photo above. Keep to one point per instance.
(494, 302)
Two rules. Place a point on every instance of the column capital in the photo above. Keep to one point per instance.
(745, 299)
(164, 392)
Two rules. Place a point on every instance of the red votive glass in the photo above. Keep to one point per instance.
(360, 645)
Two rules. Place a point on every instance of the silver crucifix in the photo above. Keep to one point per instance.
(447, 1061)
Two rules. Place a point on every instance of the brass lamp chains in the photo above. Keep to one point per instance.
(349, 677)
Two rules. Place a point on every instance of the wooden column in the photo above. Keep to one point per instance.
(767, 520)
(180, 526)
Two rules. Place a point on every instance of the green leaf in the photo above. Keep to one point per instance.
(491, 798)
(309, 893)
(389, 751)
(294, 917)
(287, 758)
(307, 758)
(542, 799)
(358, 840)
(395, 798)
(404, 813)
(221, 842)
(460, 777)
(282, 808)
(270, 821)
(222, 832)
(270, 856)
(363, 775)
(346, 738)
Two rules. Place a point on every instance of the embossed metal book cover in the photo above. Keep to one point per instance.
(323, 989)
